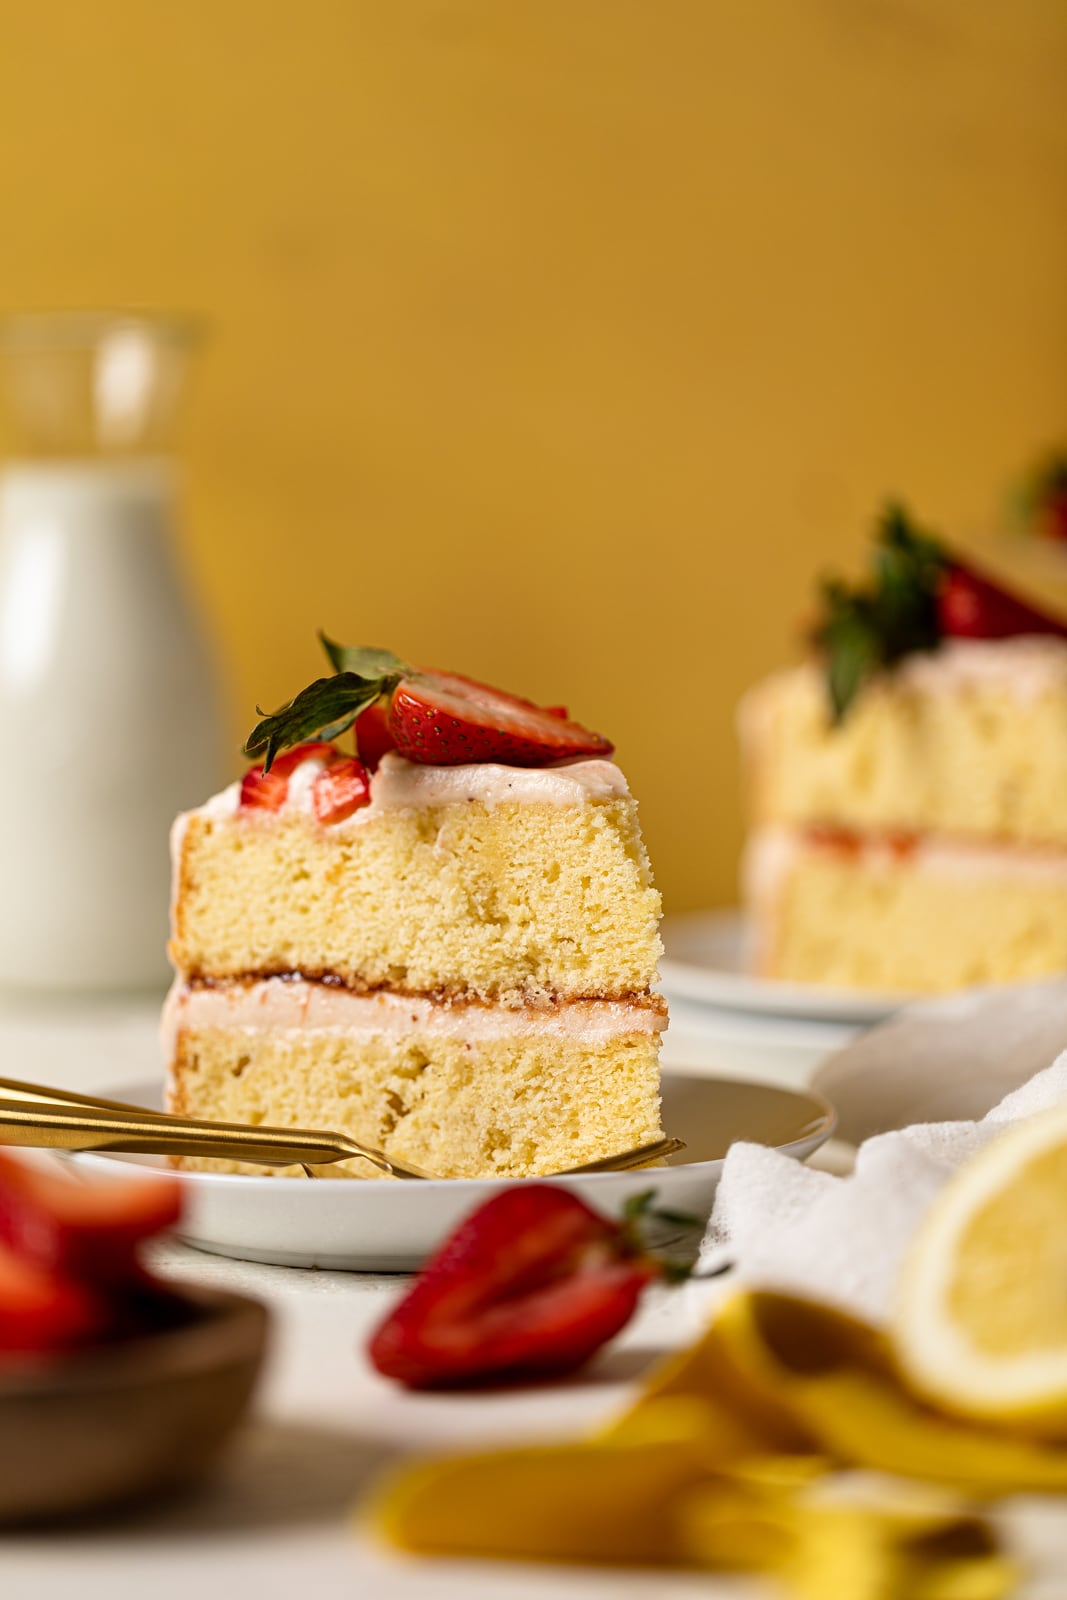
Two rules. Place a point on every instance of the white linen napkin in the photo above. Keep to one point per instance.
(842, 1240)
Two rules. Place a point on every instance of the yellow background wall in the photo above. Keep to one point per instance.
(560, 341)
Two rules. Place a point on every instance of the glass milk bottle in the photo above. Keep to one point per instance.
(110, 713)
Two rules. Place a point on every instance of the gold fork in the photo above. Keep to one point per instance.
(34, 1115)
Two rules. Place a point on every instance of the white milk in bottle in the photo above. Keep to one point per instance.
(110, 714)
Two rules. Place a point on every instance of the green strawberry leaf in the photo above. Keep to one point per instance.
(652, 1231)
(363, 660)
(325, 709)
(869, 627)
(1041, 497)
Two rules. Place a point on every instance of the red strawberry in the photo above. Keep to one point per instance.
(373, 738)
(1052, 517)
(40, 1311)
(340, 788)
(970, 606)
(87, 1231)
(532, 1283)
(266, 791)
(439, 719)
(436, 718)
(289, 760)
(263, 791)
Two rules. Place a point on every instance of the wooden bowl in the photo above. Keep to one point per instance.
(120, 1422)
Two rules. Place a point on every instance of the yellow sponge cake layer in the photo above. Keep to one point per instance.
(928, 916)
(488, 881)
(969, 740)
(462, 1090)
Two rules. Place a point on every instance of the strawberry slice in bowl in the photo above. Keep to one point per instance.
(114, 1383)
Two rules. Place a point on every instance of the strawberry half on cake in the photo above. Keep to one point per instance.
(907, 784)
(442, 944)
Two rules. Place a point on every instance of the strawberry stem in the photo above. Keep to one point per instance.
(642, 1230)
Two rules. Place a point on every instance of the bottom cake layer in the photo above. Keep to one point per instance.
(462, 1090)
(921, 915)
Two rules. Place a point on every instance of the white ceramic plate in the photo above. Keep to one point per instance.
(946, 1059)
(706, 957)
(343, 1224)
(717, 1042)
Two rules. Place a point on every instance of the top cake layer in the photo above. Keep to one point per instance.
(482, 880)
(969, 740)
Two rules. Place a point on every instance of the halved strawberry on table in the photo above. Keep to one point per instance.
(430, 717)
(529, 1286)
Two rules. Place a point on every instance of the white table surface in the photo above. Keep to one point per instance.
(280, 1516)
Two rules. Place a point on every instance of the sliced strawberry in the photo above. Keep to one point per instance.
(340, 789)
(1052, 517)
(41, 1311)
(436, 718)
(267, 791)
(86, 1231)
(289, 760)
(439, 719)
(532, 1283)
(263, 791)
(970, 606)
(373, 738)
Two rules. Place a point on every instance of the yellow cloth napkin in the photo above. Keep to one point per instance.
(736, 1456)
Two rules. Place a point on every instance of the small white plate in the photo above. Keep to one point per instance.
(343, 1224)
(707, 958)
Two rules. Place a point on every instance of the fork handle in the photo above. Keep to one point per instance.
(39, 1094)
(77, 1126)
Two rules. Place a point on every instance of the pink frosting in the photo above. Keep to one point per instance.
(399, 783)
(298, 1004)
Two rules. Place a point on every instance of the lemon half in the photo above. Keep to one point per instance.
(981, 1323)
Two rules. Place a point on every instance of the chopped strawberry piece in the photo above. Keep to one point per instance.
(440, 719)
(87, 1231)
(559, 711)
(289, 760)
(267, 791)
(531, 1284)
(41, 1311)
(373, 738)
(970, 606)
(263, 791)
(340, 789)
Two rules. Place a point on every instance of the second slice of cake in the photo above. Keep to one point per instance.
(456, 968)
(905, 785)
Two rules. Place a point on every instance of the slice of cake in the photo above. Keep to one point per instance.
(449, 957)
(906, 787)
